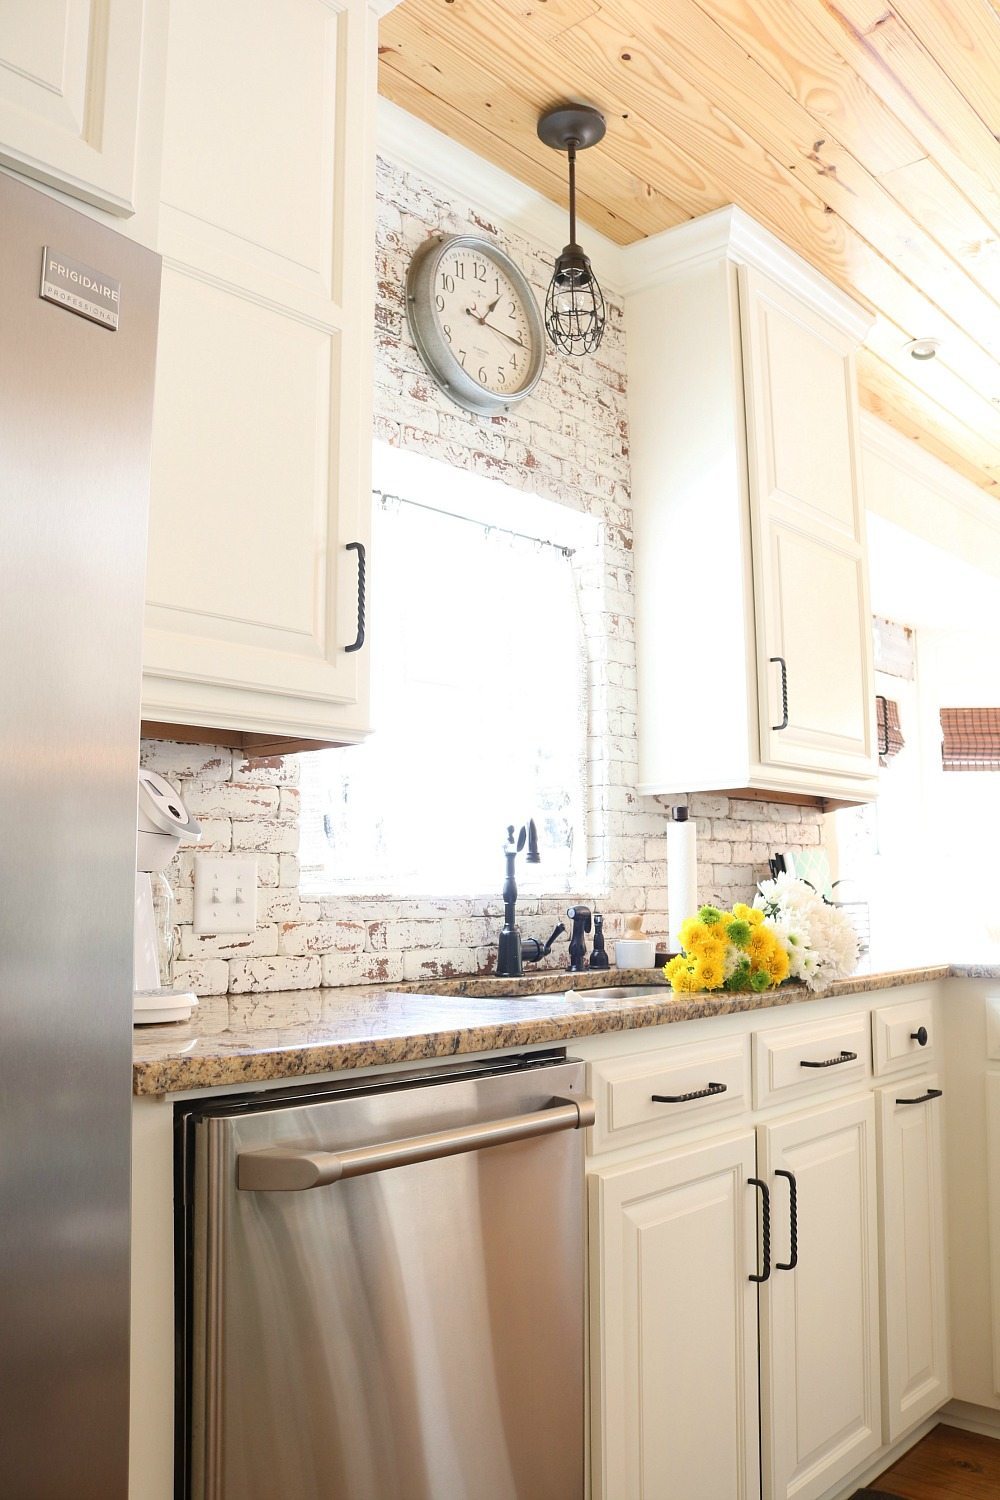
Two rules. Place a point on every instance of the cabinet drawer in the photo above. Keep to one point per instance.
(623, 1088)
(794, 1062)
(897, 1031)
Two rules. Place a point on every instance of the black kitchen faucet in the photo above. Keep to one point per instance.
(511, 951)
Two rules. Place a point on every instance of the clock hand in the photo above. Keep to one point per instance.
(473, 314)
(494, 329)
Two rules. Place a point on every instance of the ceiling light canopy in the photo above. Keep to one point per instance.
(575, 314)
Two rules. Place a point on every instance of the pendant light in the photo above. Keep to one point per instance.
(574, 304)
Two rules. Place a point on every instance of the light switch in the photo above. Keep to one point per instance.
(225, 894)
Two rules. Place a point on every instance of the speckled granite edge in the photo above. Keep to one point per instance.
(239, 1039)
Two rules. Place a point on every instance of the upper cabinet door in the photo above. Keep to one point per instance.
(814, 658)
(69, 95)
(262, 429)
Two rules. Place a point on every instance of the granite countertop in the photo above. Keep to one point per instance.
(239, 1039)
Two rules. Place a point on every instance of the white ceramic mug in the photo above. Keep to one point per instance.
(635, 953)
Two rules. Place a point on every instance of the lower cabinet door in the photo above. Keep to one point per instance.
(674, 1325)
(819, 1310)
(915, 1373)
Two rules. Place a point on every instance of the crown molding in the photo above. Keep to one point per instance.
(732, 234)
(411, 143)
(906, 456)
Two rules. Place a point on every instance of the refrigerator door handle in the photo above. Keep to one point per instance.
(282, 1169)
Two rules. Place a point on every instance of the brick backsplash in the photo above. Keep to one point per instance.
(568, 442)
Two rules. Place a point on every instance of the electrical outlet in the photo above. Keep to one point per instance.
(225, 894)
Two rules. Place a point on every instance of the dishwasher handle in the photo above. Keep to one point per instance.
(282, 1169)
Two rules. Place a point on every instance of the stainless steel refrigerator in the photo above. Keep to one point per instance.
(78, 311)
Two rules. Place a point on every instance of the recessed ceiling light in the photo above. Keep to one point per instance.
(923, 348)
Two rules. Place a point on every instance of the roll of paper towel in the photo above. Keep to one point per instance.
(682, 872)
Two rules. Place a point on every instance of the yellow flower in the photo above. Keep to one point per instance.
(692, 932)
(761, 942)
(675, 965)
(683, 981)
(776, 963)
(711, 950)
(742, 912)
(708, 974)
(755, 916)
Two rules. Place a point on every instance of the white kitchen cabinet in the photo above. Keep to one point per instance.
(674, 1325)
(237, 139)
(819, 1321)
(915, 1374)
(262, 426)
(751, 566)
(69, 96)
(816, 694)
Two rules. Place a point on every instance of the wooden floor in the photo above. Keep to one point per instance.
(946, 1465)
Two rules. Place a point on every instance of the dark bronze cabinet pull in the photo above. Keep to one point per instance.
(765, 1196)
(883, 743)
(793, 1221)
(359, 548)
(713, 1088)
(919, 1036)
(831, 1062)
(923, 1098)
(784, 693)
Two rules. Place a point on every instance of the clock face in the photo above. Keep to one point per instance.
(482, 318)
(475, 321)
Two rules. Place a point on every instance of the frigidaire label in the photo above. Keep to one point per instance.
(80, 289)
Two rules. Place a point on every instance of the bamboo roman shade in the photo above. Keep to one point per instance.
(970, 739)
(890, 735)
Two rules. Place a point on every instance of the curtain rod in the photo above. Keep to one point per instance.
(522, 536)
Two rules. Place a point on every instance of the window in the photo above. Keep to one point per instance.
(480, 707)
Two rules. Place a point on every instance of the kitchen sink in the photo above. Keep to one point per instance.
(622, 992)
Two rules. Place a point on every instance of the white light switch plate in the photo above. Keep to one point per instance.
(225, 894)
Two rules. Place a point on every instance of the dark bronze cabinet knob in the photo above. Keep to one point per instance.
(919, 1036)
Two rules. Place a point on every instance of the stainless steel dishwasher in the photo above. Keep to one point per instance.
(382, 1286)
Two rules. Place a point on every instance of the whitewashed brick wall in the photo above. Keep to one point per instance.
(568, 442)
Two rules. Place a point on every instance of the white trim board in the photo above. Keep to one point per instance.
(907, 456)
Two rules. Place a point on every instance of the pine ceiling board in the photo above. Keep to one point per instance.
(899, 69)
(947, 214)
(780, 36)
(626, 208)
(546, 18)
(719, 68)
(464, 51)
(673, 109)
(964, 38)
(412, 96)
(885, 395)
(939, 383)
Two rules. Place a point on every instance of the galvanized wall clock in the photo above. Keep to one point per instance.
(475, 322)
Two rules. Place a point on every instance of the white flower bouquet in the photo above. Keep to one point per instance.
(821, 941)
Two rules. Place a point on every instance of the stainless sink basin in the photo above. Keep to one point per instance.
(622, 992)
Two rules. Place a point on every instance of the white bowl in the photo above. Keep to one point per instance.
(635, 953)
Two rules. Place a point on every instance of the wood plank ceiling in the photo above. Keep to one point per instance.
(864, 133)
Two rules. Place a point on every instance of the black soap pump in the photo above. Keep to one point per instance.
(599, 954)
